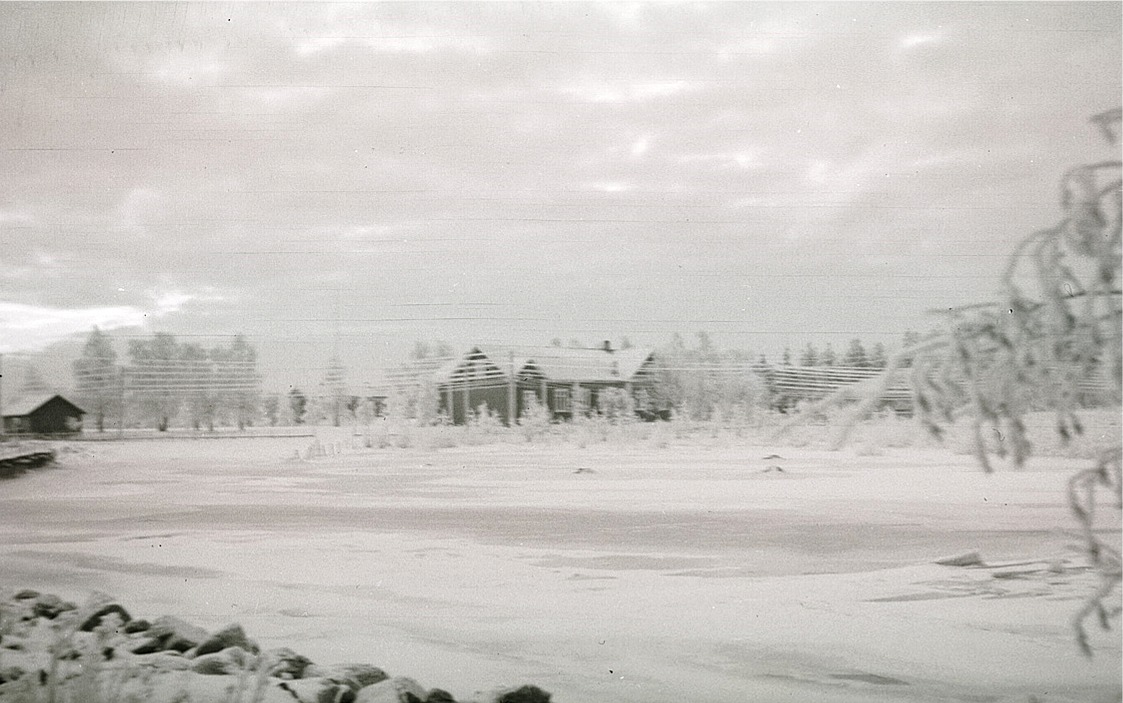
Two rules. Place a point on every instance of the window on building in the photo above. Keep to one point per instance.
(562, 401)
(587, 398)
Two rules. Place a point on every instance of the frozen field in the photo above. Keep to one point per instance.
(605, 573)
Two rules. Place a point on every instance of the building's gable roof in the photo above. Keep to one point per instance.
(558, 364)
(28, 404)
(589, 365)
(479, 364)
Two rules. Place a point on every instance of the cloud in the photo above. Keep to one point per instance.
(596, 91)
(610, 186)
(395, 41)
(759, 45)
(171, 301)
(818, 172)
(743, 160)
(428, 43)
(911, 41)
(456, 135)
(183, 68)
(316, 45)
(302, 96)
(136, 208)
(13, 217)
(32, 327)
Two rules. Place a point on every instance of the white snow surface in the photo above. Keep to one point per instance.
(653, 575)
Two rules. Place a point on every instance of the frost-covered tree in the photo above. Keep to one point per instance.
(430, 350)
(333, 391)
(699, 382)
(97, 379)
(878, 358)
(365, 412)
(297, 406)
(810, 356)
(32, 382)
(827, 357)
(427, 403)
(155, 380)
(199, 379)
(236, 377)
(910, 340)
(271, 409)
(417, 396)
(1058, 322)
(856, 355)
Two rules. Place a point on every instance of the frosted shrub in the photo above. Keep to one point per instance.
(632, 432)
(660, 435)
(441, 436)
(380, 433)
(719, 424)
(534, 422)
(396, 428)
(427, 406)
(391, 432)
(617, 406)
(618, 410)
(402, 437)
(737, 418)
(484, 426)
(398, 406)
(680, 426)
(818, 429)
(589, 428)
(888, 430)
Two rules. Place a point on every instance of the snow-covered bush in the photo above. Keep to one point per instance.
(534, 422)
(617, 406)
(484, 425)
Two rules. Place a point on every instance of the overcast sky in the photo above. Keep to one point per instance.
(771, 173)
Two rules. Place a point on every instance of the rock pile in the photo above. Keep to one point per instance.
(99, 653)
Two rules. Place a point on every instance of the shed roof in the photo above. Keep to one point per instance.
(28, 404)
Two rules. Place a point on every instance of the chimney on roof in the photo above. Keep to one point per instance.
(607, 346)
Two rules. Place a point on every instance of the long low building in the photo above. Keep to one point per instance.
(563, 380)
(792, 384)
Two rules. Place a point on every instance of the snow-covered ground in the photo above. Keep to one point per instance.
(632, 573)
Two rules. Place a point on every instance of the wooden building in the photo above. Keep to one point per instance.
(790, 385)
(45, 413)
(564, 380)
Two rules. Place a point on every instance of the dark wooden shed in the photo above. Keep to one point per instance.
(42, 414)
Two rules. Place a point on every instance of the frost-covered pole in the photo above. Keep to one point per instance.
(1, 396)
(121, 403)
(511, 407)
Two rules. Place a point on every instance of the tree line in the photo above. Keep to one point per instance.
(165, 380)
(699, 381)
